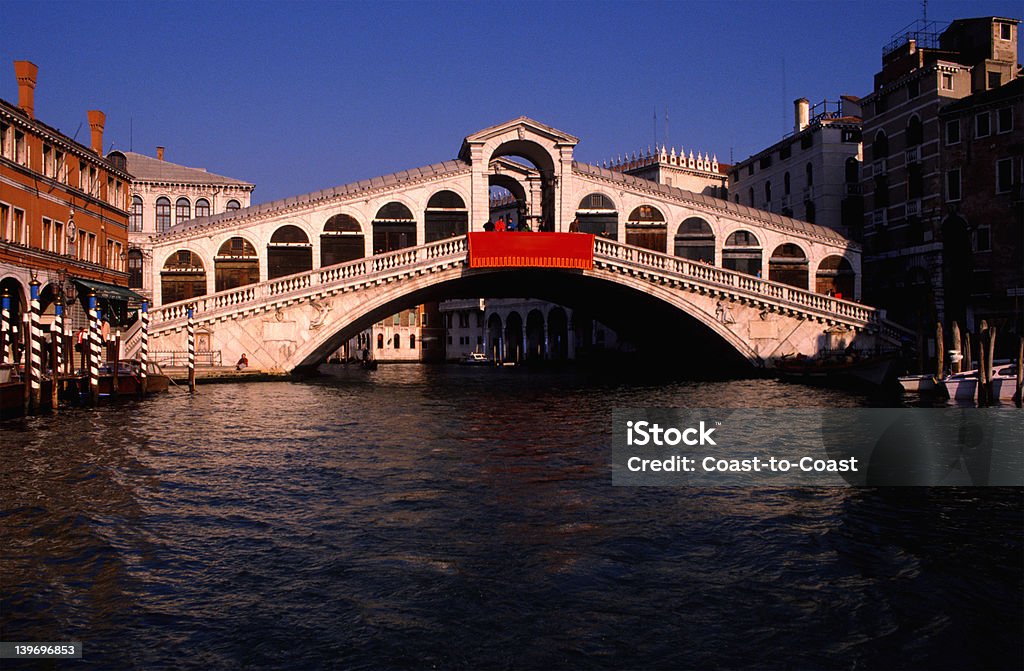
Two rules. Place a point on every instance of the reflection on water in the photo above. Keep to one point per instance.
(418, 517)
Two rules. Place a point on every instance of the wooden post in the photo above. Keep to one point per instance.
(94, 351)
(191, 351)
(990, 367)
(1020, 372)
(940, 351)
(968, 352)
(5, 324)
(958, 346)
(144, 349)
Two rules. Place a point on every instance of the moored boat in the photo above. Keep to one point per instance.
(129, 378)
(918, 383)
(964, 386)
(873, 370)
(475, 359)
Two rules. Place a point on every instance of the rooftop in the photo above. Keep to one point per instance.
(148, 169)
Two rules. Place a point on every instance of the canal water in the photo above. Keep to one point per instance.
(456, 518)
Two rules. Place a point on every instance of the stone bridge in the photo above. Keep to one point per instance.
(286, 282)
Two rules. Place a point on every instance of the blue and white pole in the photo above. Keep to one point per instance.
(57, 333)
(94, 350)
(191, 351)
(5, 324)
(35, 360)
(144, 346)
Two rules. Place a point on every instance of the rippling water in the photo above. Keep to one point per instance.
(438, 517)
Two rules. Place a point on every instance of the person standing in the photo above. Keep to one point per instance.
(500, 226)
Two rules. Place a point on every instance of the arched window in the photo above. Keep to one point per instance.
(646, 228)
(809, 169)
(163, 214)
(134, 269)
(788, 265)
(597, 214)
(289, 252)
(398, 341)
(135, 219)
(232, 205)
(380, 341)
(695, 241)
(412, 341)
(915, 131)
(202, 208)
(768, 192)
(236, 264)
(742, 253)
(393, 228)
(880, 147)
(341, 240)
(182, 210)
(852, 170)
(183, 277)
(750, 196)
(446, 216)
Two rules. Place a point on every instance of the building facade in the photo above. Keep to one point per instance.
(813, 173)
(63, 212)
(930, 134)
(164, 195)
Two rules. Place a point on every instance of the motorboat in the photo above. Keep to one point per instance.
(918, 383)
(475, 359)
(873, 370)
(129, 378)
(964, 386)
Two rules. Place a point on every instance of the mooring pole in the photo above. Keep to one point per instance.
(57, 333)
(940, 350)
(94, 350)
(35, 359)
(5, 325)
(144, 348)
(1020, 371)
(191, 351)
(54, 366)
(117, 360)
(990, 386)
(958, 346)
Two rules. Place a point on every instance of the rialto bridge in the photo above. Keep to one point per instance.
(287, 282)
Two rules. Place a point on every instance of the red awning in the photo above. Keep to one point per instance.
(523, 249)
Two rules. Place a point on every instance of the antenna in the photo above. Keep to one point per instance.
(666, 143)
(655, 125)
(784, 96)
(924, 11)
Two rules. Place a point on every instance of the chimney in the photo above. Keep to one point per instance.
(25, 72)
(802, 114)
(159, 153)
(97, 120)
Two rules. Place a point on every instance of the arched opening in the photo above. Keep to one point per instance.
(236, 265)
(538, 216)
(232, 205)
(16, 297)
(835, 277)
(507, 201)
(915, 131)
(742, 253)
(852, 170)
(558, 334)
(597, 214)
(163, 214)
(289, 252)
(446, 216)
(880, 146)
(695, 241)
(182, 277)
(494, 337)
(788, 265)
(513, 337)
(342, 240)
(412, 341)
(182, 210)
(534, 335)
(134, 269)
(380, 341)
(645, 227)
(202, 208)
(397, 341)
(394, 227)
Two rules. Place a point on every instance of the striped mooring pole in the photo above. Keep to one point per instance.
(5, 324)
(144, 347)
(94, 350)
(56, 352)
(35, 359)
(191, 351)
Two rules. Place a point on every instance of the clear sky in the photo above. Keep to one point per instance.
(299, 96)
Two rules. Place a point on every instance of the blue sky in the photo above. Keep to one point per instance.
(299, 96)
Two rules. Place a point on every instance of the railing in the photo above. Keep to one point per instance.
(384, 267)
(179, 358)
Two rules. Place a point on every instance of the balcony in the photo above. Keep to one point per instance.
(880, 167)
(912, 155)
(853, 190)
(913, 207)
(879, 217)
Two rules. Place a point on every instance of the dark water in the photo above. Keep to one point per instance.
(462, 518)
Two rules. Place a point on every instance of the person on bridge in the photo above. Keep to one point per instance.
(574, 226)
(500, 226)
(242, 364)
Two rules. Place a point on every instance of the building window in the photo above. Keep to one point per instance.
(18, 232)
(47, 233)
(1004, 175)
(947, 81)
(915, 131)
(768, 192)
(880, 147)
(750, 169)
(981, 125)
(135, 269)
(47, 160)
(785, 152)
(5, 217)
(982, 239)
(60, 170)
(202, 208)
(1005, 31)
(135, 218)
(953, 185)
(913, 89)
(1004, 120)
(807, 141)
(20, 148)
(995, 80)
(232, 205)
(953, 132)
(163, 214)
(380, 341)
(750, 195)
(810, 175)
(396, 319)
(766, 162)
(5, 133)
(786, 183)
(398, 341)
(412, 341)
(182, 210)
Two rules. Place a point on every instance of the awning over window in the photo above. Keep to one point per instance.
(111, 292)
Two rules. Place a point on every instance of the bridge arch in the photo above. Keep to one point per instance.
(341, 239)
(646, 227)
(445, 216)
(544, 160)
(597, 214)
(695, 240)
(394, 227)
(236, 264)
(183, 276)
(289, 251)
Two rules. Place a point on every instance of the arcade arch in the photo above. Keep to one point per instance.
(646, 227)
(695, 240)
(598, 215)
(183, 277)
(742, 252)
(835, 276)
(236, 264)
(341, 240)
(540, 158)
(788, 265)
(394, 227)
(446, 216)
(288, 252)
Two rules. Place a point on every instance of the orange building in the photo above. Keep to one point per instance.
(63, 212)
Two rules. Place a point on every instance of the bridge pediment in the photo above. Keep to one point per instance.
(522, 129)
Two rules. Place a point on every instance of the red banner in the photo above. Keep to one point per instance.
(523, 249)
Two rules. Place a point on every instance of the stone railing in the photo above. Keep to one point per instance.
(285, 289)
(733, 283)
